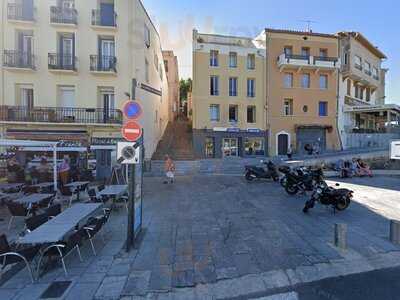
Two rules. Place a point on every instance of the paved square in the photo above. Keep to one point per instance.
(218, 236)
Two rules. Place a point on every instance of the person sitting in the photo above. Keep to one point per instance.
(363, 168)
(308, 148)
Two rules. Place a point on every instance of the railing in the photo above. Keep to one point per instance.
(18, 59)
(59, 61)
(296, 56)
(103, 63)
(357, 66)
(63, 15)
(99, 20)
(17, 12)
(308, 60)
(60, 115)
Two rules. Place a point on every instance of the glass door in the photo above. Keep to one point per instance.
(230, 147)
(26, 101)
(67, 51)
(108, 105)
(27, 46)
(107, 54)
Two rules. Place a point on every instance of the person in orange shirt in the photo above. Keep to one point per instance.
(169, 168)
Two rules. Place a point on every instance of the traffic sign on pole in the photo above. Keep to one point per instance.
(131, 131)
(132, 110)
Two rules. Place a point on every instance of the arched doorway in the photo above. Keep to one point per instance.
(282, 143)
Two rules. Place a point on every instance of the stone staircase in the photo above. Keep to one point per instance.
(176, 142)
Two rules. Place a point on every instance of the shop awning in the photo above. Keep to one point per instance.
(372, 108)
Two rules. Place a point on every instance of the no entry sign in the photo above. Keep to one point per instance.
(132, 110)
(131, 131)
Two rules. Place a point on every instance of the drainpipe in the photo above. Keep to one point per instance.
(3, 18)
(338, 96)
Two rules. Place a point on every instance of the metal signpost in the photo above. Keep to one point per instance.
(129, 153)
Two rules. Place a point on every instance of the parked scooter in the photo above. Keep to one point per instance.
(254, 172)
(339, 199)
(302, 180)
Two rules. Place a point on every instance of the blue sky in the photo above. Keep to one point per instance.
(379, 21)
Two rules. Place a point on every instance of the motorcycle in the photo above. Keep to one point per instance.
(254, 172)
(285, 170)
(303, 180)
(339, 199)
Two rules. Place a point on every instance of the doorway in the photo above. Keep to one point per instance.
(107, 54)
(282, 143)
(230, 147)
(108, 105)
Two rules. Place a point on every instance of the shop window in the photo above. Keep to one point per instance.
(209, 147)
(254, 146)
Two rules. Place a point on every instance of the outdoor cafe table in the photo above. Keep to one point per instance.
(77, 185)
(28, 200)
(114, 190)
(8, 186)
(43, 185)
(56, 229)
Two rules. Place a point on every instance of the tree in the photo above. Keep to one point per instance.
(185, 86)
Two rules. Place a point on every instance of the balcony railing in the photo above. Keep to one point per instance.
(359, 67)
(63, 15)
(99, 18)
(59, 61)
(103, 63)
(60, 115)
(18, 59)
(308, 61)
(18, 12)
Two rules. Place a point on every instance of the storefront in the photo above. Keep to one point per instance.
(229, 142)
(103, 156)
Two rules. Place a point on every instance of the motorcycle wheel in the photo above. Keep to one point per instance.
(248, 176)
(291, 189)
(342, 204)
(307, 206)
(283, 181)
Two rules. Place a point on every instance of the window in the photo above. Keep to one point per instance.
(214, 58)
(305, 81)
(251, 114)
(361, 93)
(367, 67)
(288, 107)
(323, 52)
(323, 82)
(349, 87)
(288, 50)
(166, 65)
(233, 86)
(305, 51)
(288, 80)
(368, 94)
(214, 86)
(356, 91)
(232, 59)
(346, 58)
(375, 73)
(251, 88)
(251, 61)
(233, 113)
(146, 71)
(358, 62)
(108, 101)
(323, 108)
(305, 108)
(147, 36)
(214, 113)
(254, 146)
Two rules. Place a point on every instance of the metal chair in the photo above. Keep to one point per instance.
(35, 221)
(94, 197)
(65, 191)
(63, 249)
(16, 210)
(11, 254)
(92, 227)
(47, 202)
(53, 210)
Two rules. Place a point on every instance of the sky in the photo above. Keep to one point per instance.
(379, 21)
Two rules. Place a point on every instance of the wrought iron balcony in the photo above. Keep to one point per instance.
(102, 63)
(18, 59)
(59, 61)
(61, 15)
(307, 61)
(100, 19)
(60, 115)
(18, 12)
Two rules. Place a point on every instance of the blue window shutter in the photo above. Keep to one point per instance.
(107, 14)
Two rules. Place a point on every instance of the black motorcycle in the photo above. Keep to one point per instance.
(339, 199)
(302, 180)
(254, 172)
(286, 169)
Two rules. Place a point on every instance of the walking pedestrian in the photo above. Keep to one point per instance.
(169, 168)
(290, 152)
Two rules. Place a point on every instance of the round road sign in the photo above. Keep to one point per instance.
(131, 131)
(132, 110)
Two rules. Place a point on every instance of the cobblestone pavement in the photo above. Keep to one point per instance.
(217, 237)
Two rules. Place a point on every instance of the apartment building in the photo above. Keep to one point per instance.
(228, 96)
(67, 67)
(172, 71)
(362, 107)
(301, 84)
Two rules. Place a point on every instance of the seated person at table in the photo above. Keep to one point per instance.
(363, 168)
(43, 170)
(63, 170)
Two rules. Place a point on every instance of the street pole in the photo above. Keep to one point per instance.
(131, 210)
